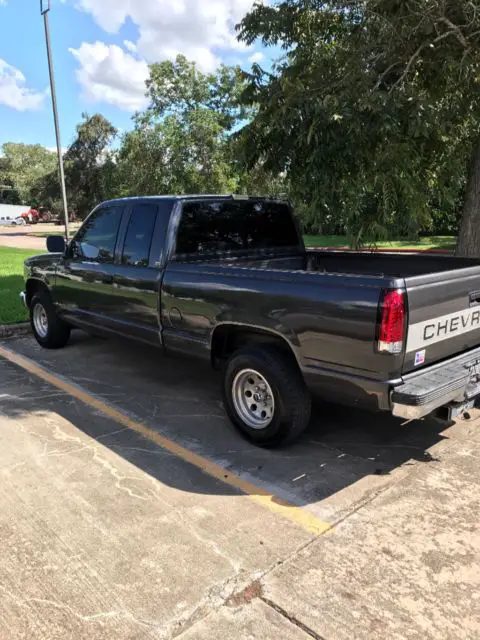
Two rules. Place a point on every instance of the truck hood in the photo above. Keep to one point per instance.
(43, 260)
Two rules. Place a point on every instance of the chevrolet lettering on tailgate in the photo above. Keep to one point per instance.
(423, 334)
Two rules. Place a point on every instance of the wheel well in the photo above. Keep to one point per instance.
(32, 287)
(227, 339)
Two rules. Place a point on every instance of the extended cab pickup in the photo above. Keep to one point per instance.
(228, 279)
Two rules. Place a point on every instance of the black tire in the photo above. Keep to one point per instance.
(292, 399)
(57, 331)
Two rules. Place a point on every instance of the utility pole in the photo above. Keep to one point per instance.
(44, 9)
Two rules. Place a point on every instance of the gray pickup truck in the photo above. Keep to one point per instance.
(228, 279)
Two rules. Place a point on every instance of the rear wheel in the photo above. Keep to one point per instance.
(265, 396)
(49, 330)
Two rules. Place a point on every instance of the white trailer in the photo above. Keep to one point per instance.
(11, 213)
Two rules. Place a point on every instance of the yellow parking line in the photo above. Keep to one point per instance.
(301, 517)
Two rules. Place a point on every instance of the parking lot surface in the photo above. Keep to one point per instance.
(130, 508)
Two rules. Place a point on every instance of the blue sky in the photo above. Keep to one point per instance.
(101, 49)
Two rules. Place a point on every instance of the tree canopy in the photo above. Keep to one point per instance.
(88, 163)
(181, 143)
(373, 112)
(89, 169)
(369, 122)
(21, 166)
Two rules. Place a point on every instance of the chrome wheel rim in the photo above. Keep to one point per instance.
(40, 320)
(253, 399)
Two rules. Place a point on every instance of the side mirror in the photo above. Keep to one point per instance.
(56, 244)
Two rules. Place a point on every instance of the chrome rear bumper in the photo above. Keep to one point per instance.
(456, 380)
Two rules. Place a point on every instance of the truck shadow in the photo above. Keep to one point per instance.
(181, 400)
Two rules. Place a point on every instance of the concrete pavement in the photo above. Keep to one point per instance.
(106, 534)
(405, 566)
(95, 546)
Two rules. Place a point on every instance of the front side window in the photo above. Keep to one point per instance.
(138, 240)
(97, 238)
(226, 225)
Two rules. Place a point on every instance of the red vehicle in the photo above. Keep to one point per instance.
(30, 217)
(38, 215)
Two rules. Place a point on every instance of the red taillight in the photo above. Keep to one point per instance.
(392, 322)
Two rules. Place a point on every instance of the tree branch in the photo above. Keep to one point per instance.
(456, 31)
(385, 74)
(415, 56)
(409, 66)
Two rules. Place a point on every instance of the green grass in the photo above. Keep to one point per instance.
(428, 242)
(11, 283)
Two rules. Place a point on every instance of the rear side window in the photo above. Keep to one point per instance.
(97, 238)
(235, 225)
(138, 239)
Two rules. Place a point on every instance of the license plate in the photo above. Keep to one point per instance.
(458, 408)
(474, 369)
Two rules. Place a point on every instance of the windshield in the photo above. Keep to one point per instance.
(226, 225)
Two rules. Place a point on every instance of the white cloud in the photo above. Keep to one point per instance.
(257, 57)
(13, 92)
(109, 74)
(131, 46)
(201, 30)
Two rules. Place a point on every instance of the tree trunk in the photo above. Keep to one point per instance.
(468, 243)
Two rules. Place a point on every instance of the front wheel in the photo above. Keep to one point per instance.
(49, 330)
(265, 396)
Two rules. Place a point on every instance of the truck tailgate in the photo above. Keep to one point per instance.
(443, 316)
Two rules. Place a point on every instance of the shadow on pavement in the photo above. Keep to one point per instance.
(181, 400)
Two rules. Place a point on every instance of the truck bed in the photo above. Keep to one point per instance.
(376, 264)
(335, 314)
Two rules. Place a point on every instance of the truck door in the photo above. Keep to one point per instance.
(84, 278)
(139, 271)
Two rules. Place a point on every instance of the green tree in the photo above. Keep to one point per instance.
(373, 111)
(90, 170)
(8, 192)
(89, 166)
(182, 142)
(22, 165)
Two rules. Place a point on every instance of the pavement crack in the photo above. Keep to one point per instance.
(215, 598)
(363, 503)
(291, 619)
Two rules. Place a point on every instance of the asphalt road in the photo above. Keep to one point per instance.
(130, 508)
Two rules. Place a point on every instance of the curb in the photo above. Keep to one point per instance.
(11, 330)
